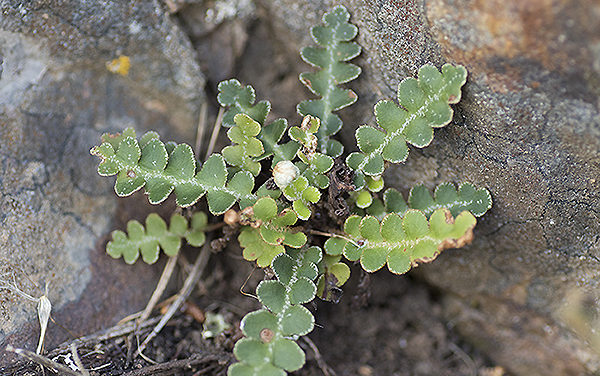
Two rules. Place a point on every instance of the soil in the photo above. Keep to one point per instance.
(383, 325)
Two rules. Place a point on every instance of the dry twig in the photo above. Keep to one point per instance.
(42, 360)
(185, 292)
(327, 371)
(215, 133)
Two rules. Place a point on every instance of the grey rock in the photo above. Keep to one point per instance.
(56, 98)
(528, 129)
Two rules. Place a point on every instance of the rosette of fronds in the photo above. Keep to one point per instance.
(423, 105)
(164, 168)
(334, 50)
(148, 240)
(269, 345)
(401, 242)
(384, 230)
(268, 232)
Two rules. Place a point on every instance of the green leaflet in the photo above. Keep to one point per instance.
(364, 186)
(270, 232)
(401, 242)
(466, 198)
(163, 169)
(148, 240)
(335, 49)
(268, 348)
(424, 105)
(255, 248)
(244, 135)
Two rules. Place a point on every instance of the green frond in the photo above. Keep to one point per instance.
(423, 105)
(268, 346)
(272, 231)
(302, 195)
(466, 198)
(331, 57)
(240, 99)
(246, 146)
(148, 240)
(401, 242)
(163, 169)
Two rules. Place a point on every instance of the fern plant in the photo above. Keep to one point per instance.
(274, 220)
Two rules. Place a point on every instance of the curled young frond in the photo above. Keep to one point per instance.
(313, 164)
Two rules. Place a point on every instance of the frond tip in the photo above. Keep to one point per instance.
(332, 56)
(423, 105)
(467, 197)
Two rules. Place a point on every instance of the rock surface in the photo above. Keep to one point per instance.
(57, 96)
(528, 129)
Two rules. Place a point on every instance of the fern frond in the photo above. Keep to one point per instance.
(163, 169)
(240, 99)
(270, 231)
(466, 198)
(334, 51)
(401, 242)
(302, 195)
(269, 346)
(247, 146)
(148, 240)
(424, 105)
